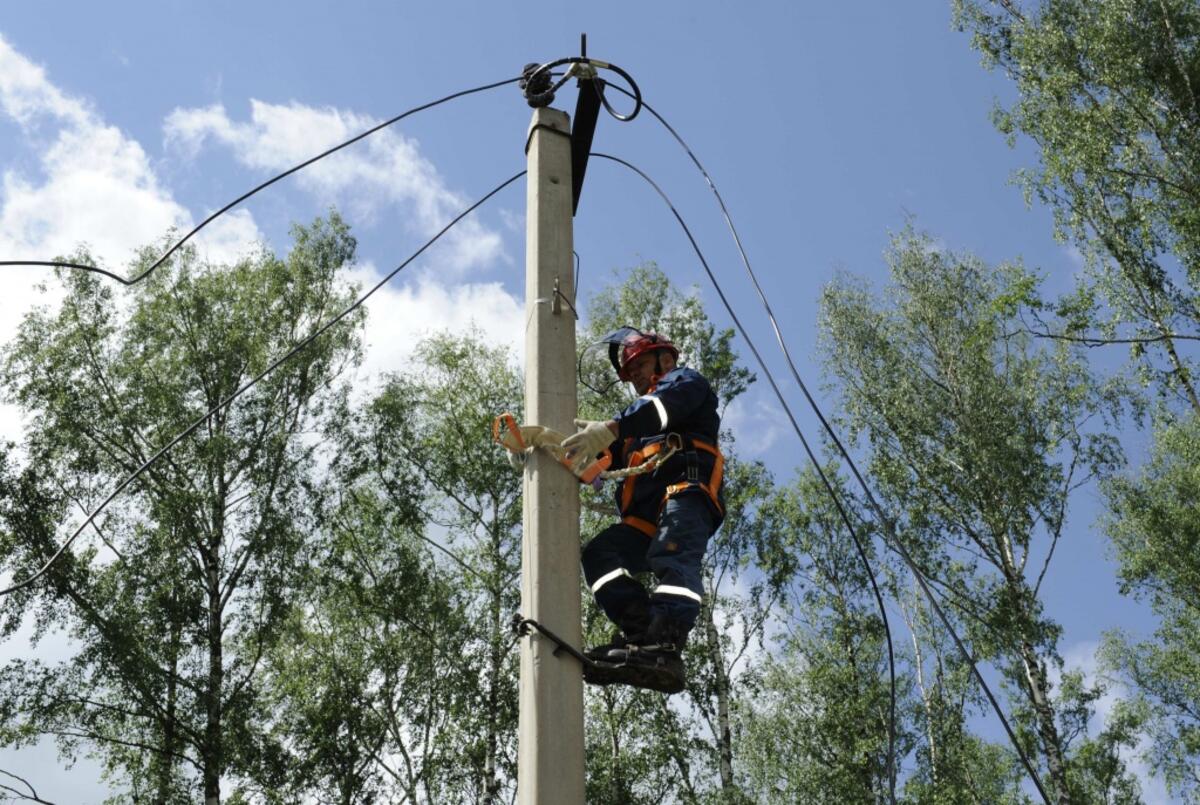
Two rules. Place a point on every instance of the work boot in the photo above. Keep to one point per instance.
(655, 664)
(634, 623)
(664, 637)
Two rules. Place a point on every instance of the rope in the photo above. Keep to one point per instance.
(521, 440)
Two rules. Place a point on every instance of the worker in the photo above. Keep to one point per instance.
(667, 516)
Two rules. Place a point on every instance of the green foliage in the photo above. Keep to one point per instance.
(1098, 773)
(408, 632)
(1155, 526)
(976, 438)
(185, 581)
(817, 729)
(1107, 90)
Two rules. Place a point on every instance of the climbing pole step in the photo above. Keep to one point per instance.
(650, 674)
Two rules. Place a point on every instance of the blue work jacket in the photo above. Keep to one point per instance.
(681, 409)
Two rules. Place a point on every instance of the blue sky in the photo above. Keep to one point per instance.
(826, 126)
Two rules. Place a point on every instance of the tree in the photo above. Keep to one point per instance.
(407, 636)
(1108, 90)
(976, 437)
(363, 687)
(1155, 526)
(817, 727)
(953, 765)
(182, 586)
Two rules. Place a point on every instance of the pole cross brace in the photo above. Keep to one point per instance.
(523, 626)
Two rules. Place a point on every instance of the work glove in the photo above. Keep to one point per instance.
(592, 439)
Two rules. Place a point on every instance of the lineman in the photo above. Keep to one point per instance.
(667, 516)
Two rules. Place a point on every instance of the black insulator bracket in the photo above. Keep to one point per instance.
(583, 128)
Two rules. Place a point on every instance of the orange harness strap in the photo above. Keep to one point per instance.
(711, 489)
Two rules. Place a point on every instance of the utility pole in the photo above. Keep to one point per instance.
(550, 743)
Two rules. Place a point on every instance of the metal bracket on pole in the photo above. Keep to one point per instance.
(587, 112)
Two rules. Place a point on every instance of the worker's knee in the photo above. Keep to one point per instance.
(616, 546)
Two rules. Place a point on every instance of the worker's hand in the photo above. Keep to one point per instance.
(593, 438)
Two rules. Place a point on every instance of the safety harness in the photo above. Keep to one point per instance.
(657, 453)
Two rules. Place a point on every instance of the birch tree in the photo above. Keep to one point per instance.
(180, 588)
(976, 436)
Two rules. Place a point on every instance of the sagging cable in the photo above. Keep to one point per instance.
(328, 152)
(247, 386)
(891, 539)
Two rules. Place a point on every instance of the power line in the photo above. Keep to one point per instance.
(807, 449)
(178, 244)
(892, 540)
(249, 384)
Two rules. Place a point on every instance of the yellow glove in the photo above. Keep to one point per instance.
(592, 439)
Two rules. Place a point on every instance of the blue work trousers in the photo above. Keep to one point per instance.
(617, 554)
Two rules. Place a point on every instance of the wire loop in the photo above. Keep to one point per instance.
(542, 93)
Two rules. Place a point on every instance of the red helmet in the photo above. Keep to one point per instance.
(628, 343)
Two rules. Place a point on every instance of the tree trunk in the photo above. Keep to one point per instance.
(166, 762)
(1035, 677)
(724, 731)
(926, 704)
(491, 781)
(1036, 683)
(212, 726)
(213, 754)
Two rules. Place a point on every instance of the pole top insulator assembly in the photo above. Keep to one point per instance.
(536, 86)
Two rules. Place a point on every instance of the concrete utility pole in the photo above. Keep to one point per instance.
(550, 743)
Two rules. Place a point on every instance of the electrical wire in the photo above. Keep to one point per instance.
(248, 385)
(578, 263)
(858, 545)
(178, 244)
(546, 96)
(892, 540)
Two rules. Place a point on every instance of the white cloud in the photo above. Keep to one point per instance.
(756, 423)
(402, 313)
(384, 170)
(26, 94)
(94, 185)
(227, 238)
(91, 185)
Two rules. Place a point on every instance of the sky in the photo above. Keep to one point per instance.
(826, 126)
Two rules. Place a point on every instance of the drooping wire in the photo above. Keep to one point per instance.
(845, 517)
(578, 264)
(892, 540)
(328, 152)
(248, 385)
